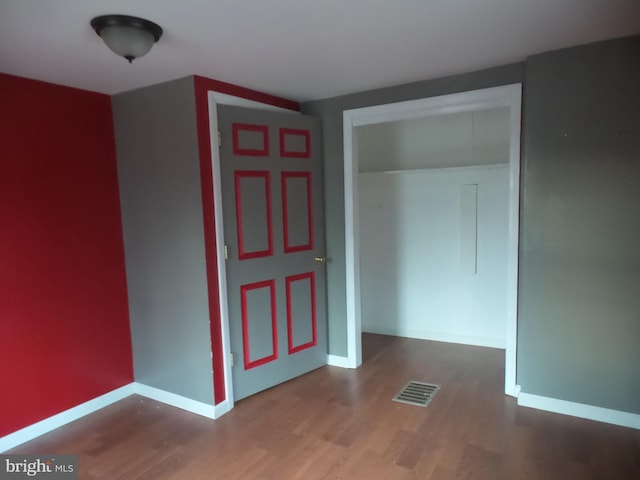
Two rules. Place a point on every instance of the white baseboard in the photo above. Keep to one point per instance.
(512, 390)
(580, 410)
(174, 400)
(222, 408)
(48, 424)
(438, 336)
(338, 361)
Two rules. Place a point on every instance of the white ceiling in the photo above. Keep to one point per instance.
(299, 49)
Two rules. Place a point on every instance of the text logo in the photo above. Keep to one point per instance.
(49, 467)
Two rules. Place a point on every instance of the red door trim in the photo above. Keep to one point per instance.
(236, 128)
(204, 84)
(312, 284)
(271, 285)
(238, 176)
(288, 248)
(299, 132)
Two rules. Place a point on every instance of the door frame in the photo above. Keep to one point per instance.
(504, 96)
(214, 99)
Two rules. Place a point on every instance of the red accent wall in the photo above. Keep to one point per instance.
(64, 336)
(202, 86)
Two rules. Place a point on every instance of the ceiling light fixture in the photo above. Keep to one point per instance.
(129, 37)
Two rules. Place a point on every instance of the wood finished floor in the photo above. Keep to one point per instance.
(341, 424)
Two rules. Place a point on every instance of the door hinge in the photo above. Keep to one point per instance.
(231, 359)
(226, 252)
(219, 139)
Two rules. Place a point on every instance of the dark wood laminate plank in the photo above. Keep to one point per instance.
(341, 424)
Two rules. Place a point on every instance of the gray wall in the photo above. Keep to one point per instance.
(330, 112)
(579, 301)
(579, 284)
(159, 177)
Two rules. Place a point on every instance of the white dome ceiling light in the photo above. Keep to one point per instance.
(129, 37)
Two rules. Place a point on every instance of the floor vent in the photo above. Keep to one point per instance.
(417, 393)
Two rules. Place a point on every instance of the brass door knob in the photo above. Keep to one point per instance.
(321, 259)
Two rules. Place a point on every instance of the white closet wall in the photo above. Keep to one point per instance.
(433, 227)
